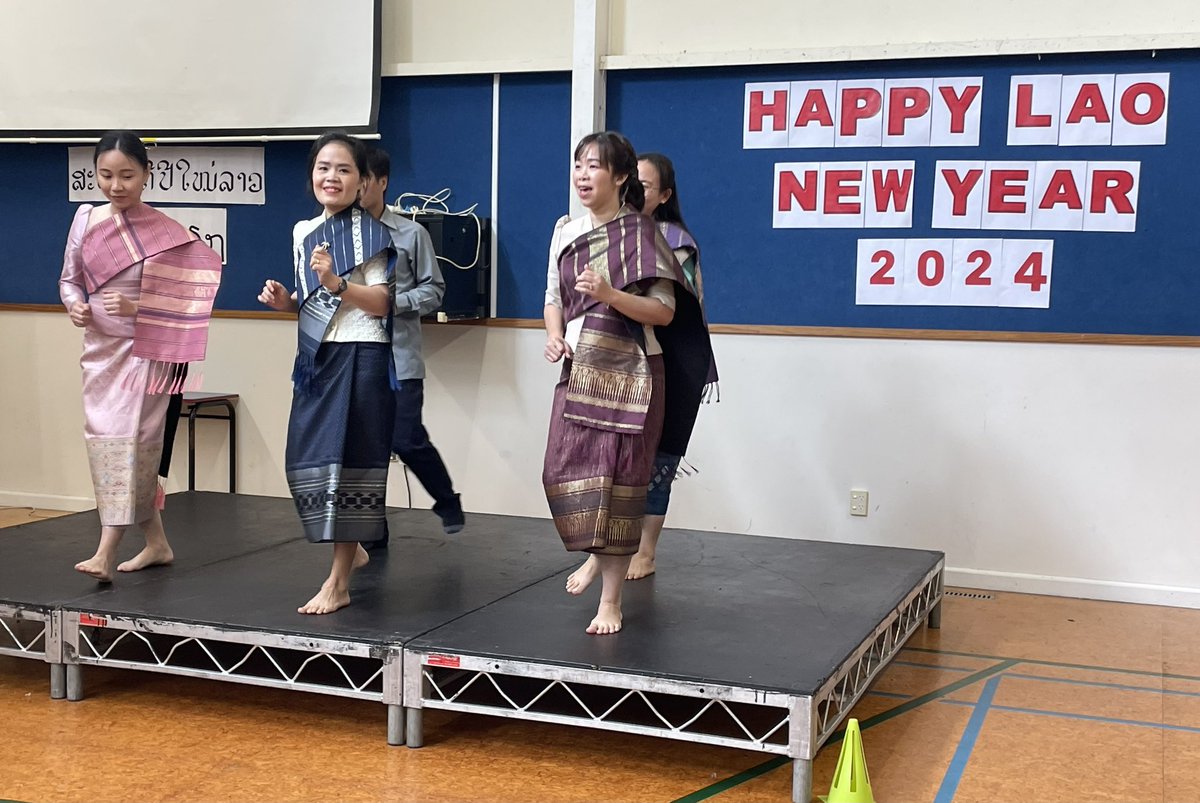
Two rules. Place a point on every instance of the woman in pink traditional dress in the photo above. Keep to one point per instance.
(141, 287)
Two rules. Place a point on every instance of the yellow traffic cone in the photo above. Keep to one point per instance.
(851, 784)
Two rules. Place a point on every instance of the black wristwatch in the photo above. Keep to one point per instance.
(341, 287)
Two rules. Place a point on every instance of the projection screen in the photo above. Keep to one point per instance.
(205, 68)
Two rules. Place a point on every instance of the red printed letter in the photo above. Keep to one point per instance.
(839, 184)
(1025, 116)
(892, 189)
(958, 105)
(777, 110)
(1061, 190)
(814, 107)
(905, 103)
(791, 189)
(1158, 103)
(960, 188)
(858, 104)
(1089, 103)
(1001, 186)
(1112, 185)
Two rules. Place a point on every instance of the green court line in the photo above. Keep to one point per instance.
(1039, 662)
(1046, 678)
(761, 769)
(733, 780)
(919, 665)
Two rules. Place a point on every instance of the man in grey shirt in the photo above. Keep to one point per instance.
(418, 291)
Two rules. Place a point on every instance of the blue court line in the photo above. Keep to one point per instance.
(1037, 662)
(966, 744)
(1098, 684)
(1086, 717)
(916, 702)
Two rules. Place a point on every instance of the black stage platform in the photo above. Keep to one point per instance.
(751, 642)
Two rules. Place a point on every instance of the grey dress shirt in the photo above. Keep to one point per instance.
(419, 289)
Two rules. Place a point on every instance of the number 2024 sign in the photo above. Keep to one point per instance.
(964, 272)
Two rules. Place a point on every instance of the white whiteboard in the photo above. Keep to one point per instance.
(211, 67)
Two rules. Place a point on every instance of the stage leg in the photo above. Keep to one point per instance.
(74, 682)
(395, 728)
(802, 780)
(935, 616)
(58, 681)
(416, 733)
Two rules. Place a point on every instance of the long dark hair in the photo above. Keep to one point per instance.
(127, 143)
(358, 152)
(668, 211)
(617, 154)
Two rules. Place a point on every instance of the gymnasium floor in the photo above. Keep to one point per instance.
(1017, 698)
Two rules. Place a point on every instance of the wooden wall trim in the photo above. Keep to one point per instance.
(775, 331)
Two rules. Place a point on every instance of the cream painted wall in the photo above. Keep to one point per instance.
(426, 37)
(698, 32)
(431, 37)
(1055, 468)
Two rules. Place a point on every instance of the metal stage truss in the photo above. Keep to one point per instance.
(358, 670)
(34, 633)
(787, 637)
(794, 725)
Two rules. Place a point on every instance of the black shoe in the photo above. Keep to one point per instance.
(451, 514)
(376, 546)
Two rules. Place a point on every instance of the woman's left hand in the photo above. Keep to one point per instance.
(322, 265)
(594, 285)
(115, 303)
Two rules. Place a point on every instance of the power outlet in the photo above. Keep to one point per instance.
(858, 503)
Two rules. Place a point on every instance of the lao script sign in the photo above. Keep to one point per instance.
(182, 175)
(209, 225)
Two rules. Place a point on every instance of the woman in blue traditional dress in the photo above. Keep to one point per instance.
(339, 430)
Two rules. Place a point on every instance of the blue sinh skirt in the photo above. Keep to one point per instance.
(339, 443)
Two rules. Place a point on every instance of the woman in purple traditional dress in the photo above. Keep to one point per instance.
(611, 280)
(657, 176)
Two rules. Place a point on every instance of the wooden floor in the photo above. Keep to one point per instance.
(1017, 698)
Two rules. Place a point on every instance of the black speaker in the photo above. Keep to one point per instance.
(463, 245)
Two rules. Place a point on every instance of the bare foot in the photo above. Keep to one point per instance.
(150, 556)
(608, 620)
(329, 599)
(96, 566)
(579, 580)
(641, 566)
(361, 558)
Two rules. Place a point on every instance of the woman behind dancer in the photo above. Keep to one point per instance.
(611, 280)
(340, 428)
(142, 288)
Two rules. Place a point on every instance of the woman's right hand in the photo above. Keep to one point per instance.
(275, 296)
(80, 313)
(556, 348)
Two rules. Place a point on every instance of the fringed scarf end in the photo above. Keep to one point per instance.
(162, 379)
(685, 469)
(712, 393)
(304, 374)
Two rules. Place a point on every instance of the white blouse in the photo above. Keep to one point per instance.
(350, 324)
(566, 231)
